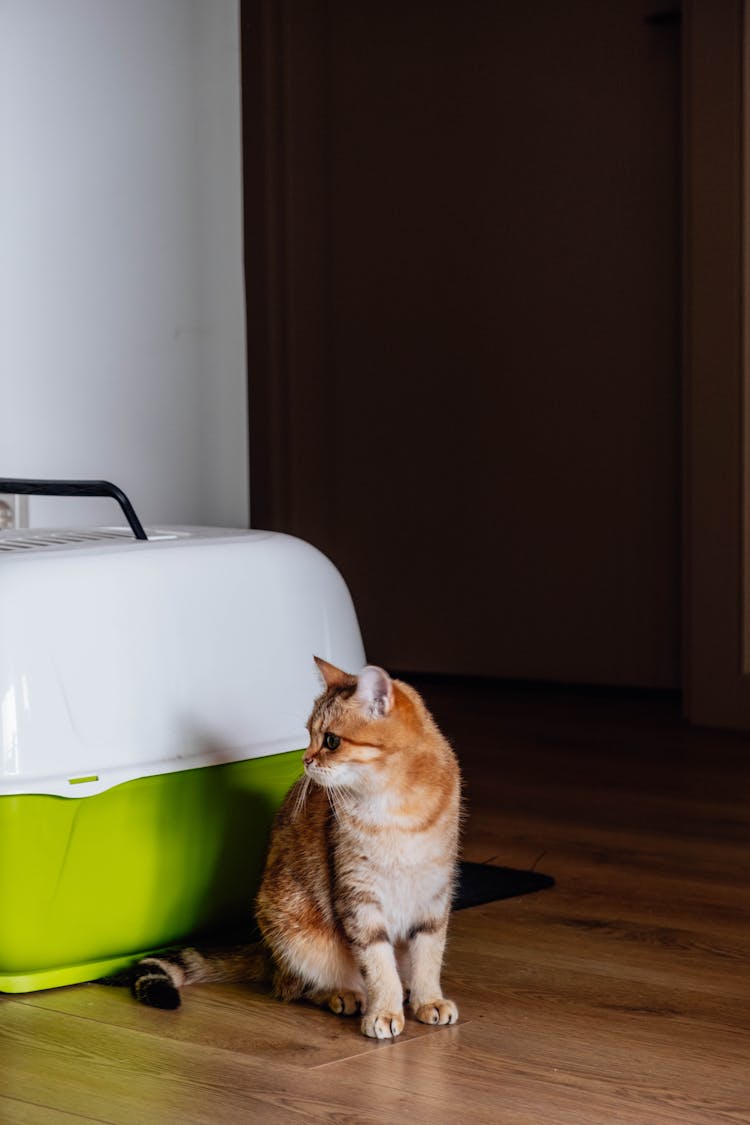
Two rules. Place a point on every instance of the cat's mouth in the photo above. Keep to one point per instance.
(321, 775)
(315, 769)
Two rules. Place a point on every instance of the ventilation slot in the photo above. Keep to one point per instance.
(47, 539)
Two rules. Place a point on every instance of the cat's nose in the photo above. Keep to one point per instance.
(308, 755)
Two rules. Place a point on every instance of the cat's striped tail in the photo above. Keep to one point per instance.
(157, 980)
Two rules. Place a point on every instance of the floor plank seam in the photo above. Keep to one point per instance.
(391, 1044)
(56, 1109)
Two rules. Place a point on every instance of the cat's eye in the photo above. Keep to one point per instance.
(331, 741)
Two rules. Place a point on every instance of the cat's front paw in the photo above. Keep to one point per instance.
(383, 1025)
(437, 1012)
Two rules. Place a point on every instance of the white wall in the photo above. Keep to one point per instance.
(122, 348)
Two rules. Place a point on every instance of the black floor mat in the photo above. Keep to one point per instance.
(481, 882)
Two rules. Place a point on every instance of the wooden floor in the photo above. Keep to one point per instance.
(621, 995)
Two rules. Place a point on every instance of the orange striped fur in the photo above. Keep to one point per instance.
(355, 898)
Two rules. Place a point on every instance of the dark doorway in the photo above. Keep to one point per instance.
(463, 244)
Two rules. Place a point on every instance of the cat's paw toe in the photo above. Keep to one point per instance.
(346, 1003)
(383, 1025)
(437, 1012)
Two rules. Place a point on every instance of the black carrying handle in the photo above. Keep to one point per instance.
(99, 488)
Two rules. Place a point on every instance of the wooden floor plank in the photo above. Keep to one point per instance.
(532, 1072)
(242, 1018)
(123, 1076)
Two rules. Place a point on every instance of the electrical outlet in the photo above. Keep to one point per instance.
(14, 511)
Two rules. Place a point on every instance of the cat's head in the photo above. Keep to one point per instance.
(357, 726)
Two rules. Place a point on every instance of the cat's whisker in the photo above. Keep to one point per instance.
(337, 794)
(301, 800)
(333, 801)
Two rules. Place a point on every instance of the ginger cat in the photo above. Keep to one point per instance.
(355, 898)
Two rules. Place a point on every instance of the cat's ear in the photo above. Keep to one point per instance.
(374, 691)
(332, 675)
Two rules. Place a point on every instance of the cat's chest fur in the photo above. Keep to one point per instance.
(408, 873)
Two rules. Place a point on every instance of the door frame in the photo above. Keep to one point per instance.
(716, 556)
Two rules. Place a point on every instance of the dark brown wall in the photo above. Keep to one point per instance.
(476, 391)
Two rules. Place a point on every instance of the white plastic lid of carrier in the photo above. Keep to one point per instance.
(124, 656)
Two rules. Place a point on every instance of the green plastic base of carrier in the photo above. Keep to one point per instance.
(89, 883)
